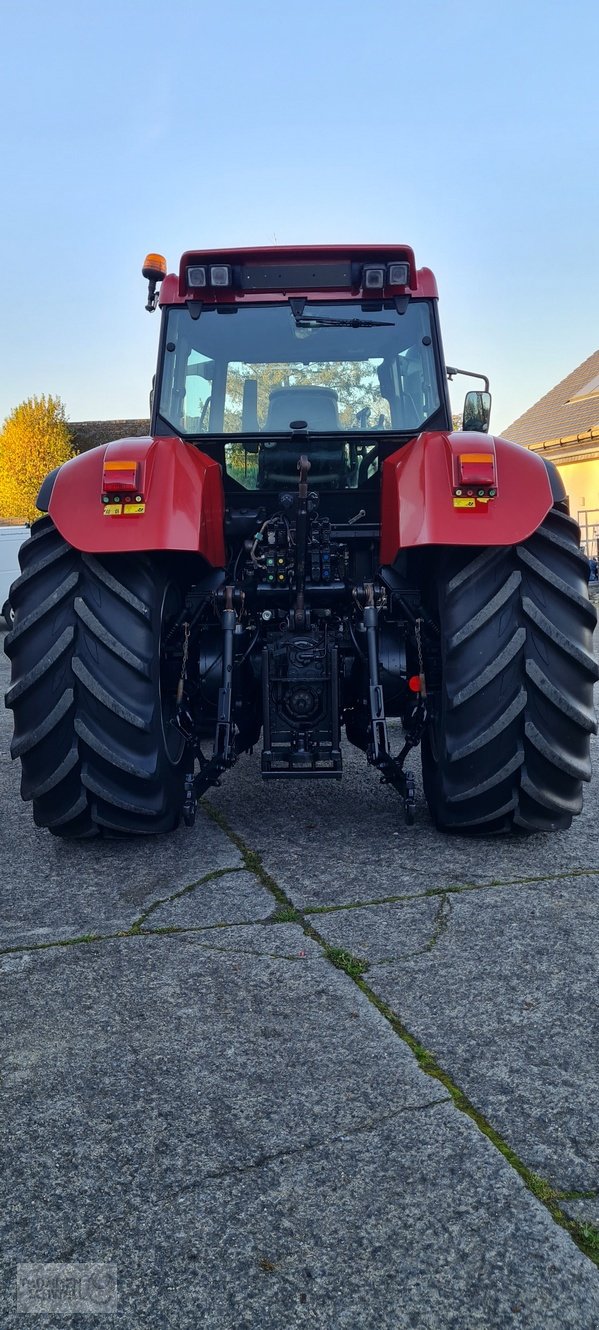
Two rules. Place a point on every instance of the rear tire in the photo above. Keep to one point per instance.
(508, 741)
(89, 696)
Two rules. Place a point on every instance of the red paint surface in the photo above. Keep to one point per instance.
(174, 289)
(182, 490)
(417, 503)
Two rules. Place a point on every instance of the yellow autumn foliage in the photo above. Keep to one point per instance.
(34, 439)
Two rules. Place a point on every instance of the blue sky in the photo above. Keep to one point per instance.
(467, 130)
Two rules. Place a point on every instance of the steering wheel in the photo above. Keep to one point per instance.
(365, 463)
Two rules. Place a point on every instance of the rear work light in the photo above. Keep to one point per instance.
(373, 279)
(220, 274)
(398, 274)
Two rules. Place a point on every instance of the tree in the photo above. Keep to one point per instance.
(34, 439)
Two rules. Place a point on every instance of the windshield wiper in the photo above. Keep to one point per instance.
(313, 321)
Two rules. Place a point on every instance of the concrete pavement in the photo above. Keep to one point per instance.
(302, 1066)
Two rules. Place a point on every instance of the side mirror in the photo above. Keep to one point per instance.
(477, 412)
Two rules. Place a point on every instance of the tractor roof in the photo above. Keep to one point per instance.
(321, 272)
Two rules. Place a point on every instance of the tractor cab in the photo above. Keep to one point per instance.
(268, 355)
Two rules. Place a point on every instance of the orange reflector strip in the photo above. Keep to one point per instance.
(476, 457)
(120, 466)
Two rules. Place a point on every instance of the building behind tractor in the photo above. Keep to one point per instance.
(302, 547)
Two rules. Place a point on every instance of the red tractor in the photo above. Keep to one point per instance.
(302, 545)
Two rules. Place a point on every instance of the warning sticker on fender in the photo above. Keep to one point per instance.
(464, 503)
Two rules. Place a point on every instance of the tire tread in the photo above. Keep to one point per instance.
(509, 748)
(85, 691)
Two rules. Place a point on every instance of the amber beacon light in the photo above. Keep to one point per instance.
(154, 269)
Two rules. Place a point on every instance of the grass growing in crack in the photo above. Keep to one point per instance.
(586, 1236)
(84, 938)
(343, 960)
(165, 930)
(590, 1236)
(183, 891)
(286, 914)
(453, 889)
(251, 859)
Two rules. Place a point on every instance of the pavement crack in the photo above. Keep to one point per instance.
(365, 905)
(441, 922)
(83, 939)
(454, 889)
(137, 934)
(575, 1195)
(182, 891)
(584, 1235)
(250, 951)
(318, 1143)
(549, 1196)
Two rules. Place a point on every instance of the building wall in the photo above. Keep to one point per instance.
(581, 480)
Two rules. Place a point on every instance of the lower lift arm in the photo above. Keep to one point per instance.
(379, 753)
(224, 753)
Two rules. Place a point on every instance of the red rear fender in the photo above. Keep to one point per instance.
(419, 505)
(182, 502)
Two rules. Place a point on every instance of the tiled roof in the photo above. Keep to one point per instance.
(555, 416)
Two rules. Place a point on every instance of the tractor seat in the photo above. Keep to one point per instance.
(277, 462)
(317, 406)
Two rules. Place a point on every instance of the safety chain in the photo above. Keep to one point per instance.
(418, 631)
(181, 683)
